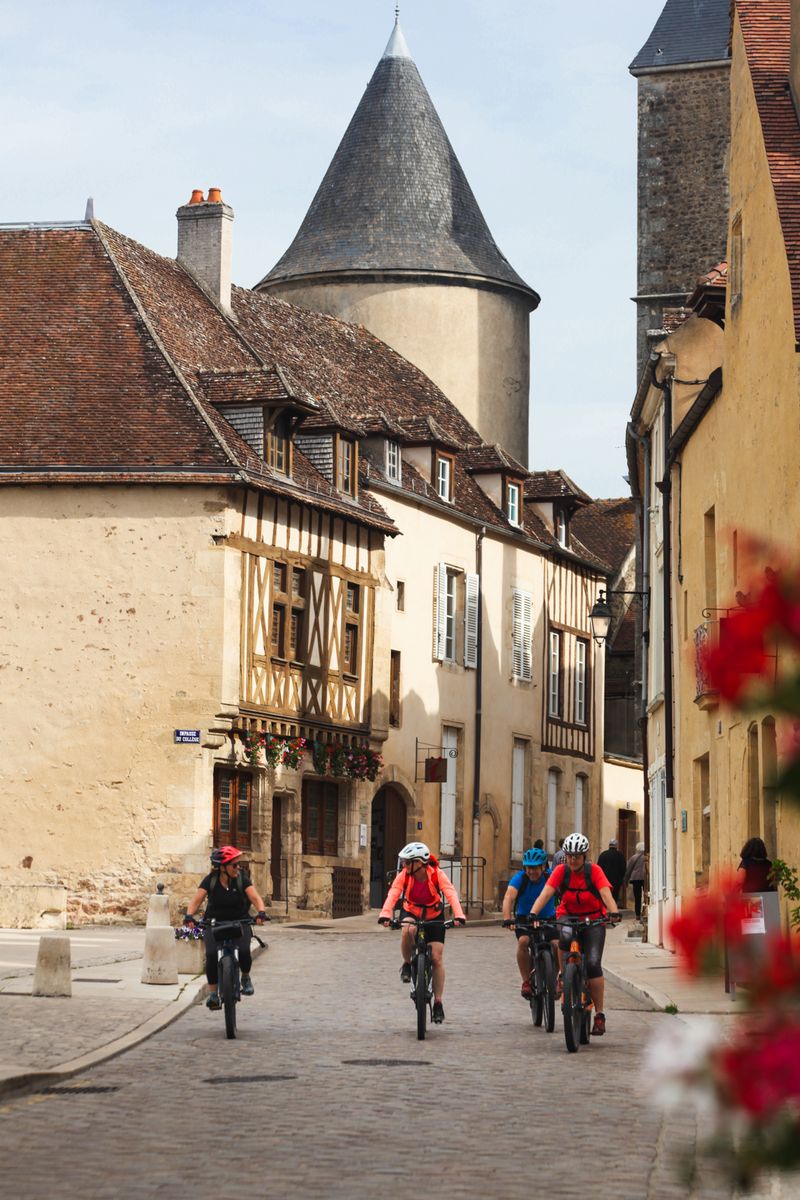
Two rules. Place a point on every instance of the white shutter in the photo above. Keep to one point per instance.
(473, 599)
(439, 610)
(580, 792)
(521, 633)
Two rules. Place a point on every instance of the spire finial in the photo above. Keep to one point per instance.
(397, 14)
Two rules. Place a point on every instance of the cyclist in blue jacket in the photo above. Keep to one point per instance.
(524, 888)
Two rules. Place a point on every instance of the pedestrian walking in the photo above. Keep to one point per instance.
(612, 863)
(634, 875)
(559, 857)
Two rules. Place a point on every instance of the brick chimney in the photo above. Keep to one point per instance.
(205, 229)
(794, 61)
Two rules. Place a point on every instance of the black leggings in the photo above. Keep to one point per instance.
(242, 944)
(593, 940)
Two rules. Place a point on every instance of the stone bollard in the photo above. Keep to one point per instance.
(160, 963)
(53, 975)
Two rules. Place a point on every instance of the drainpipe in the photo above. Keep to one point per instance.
(643, 440)
(476, 769)
(665, 487)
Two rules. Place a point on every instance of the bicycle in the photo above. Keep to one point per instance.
(226, 934)
(543, 968)
(421, 970)
(577, 1001)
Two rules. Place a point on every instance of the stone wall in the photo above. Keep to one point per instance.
(684, 140)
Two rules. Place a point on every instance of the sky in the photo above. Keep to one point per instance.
(136, 104)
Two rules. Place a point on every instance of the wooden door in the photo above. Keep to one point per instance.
(276, 849)
(388, 839)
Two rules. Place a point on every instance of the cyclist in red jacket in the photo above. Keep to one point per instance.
(583, 891)
(419, 888)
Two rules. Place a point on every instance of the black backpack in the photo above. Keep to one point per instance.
(522, 890)
(588, 884)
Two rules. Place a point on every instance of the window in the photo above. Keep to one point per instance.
(346, 465)
(393, 462)
(279, 446)
(444, 478)
(394, 688)
(445, 612)
(401, 596)
(296, 644)
(233, 802)
(320, 819)
(278, 638)
(521, 632)
(560, 525)
(512, 503)
(287, 628)
(280, 601)
(449, 790)
(552, 808)
(554, 675)
(298, 583)
(581, 652)
(580, 801)
(472, 608)
(351, 628)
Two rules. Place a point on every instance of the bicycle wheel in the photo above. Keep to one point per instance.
(537, 998)
(548, 974)
(586, 1017)
(228, 993)
(572, 1007)
(421, 995)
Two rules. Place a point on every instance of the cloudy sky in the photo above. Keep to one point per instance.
(137, 103)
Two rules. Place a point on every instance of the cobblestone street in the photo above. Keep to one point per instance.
(493, 1093)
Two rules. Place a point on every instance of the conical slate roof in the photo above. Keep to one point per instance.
(394, 197)
(688, 31)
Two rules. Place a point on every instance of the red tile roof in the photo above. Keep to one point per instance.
(553, 485)
(766, 28)
(479, 459)
(607, 528)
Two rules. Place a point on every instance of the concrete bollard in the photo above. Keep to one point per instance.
(53, 974)
(158, 908)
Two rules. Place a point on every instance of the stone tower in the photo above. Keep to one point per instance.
(683, 74)
(394, 240)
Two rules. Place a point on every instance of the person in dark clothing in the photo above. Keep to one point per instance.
(634, 875)
(229, 892)
(754, 869)
(612, 863)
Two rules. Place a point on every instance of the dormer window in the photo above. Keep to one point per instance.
(513, 495)
(393, 463)
(560, 525)
(444, 477)
(278, 447)
(345, 465)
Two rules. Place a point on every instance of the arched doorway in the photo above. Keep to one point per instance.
(388, 838)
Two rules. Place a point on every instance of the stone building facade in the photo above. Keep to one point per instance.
(683, 85)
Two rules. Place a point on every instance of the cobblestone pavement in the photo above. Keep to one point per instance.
(484, 1095)
(94, 1021)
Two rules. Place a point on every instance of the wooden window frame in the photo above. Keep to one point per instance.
(280, 609)
(394, 461)
(554, 713)
(349, 487)
(395, 667)
(401, 595)
(317, 795)
(521, 635)
(440, 459)
(583, 719)
(351, 628)
(451, 618)
(561, 527)
(278, 448)
(508, 485)
(233, 835)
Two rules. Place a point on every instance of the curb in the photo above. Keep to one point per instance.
(659, 1001)
(16, 1084)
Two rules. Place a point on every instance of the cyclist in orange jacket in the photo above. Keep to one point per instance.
(420, 888)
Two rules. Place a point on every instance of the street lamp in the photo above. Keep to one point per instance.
(601, 615)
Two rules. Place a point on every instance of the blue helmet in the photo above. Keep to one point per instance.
(534, 858)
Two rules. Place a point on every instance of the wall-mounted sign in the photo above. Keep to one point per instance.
(187, 735)
(362, 835)
(435, 770)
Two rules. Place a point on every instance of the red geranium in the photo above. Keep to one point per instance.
(761, 1072)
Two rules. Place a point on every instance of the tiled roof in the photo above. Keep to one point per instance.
(766, 30)
(426, 430)
(394, 197)
(607, 528)
(491, 458)
(553, 485)
(688, 31)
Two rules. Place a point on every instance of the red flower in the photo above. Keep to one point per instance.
(761, 1073)
(705, 924)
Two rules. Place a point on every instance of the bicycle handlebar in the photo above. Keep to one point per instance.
(394, 924)
(201, 923)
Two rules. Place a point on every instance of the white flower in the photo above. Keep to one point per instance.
(676, 1066)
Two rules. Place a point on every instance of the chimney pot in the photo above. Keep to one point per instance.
(214, 196)
(196, 197)
(204, 244)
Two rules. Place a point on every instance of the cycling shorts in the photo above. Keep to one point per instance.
(592, 942)
(434, 931)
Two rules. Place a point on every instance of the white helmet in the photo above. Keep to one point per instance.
(576, 843)
(414, 850)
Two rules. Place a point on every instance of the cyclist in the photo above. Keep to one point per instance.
(420, 889)
(523, 888)
(583, 891)
(230, 893)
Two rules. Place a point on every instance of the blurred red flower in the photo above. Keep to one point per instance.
(761, 1072)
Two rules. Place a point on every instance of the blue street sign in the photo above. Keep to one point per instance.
(187, 735)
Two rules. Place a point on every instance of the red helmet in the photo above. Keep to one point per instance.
(224, 855)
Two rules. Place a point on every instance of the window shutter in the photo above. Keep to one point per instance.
(521, 632)
(473, 599)
(439, 610)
